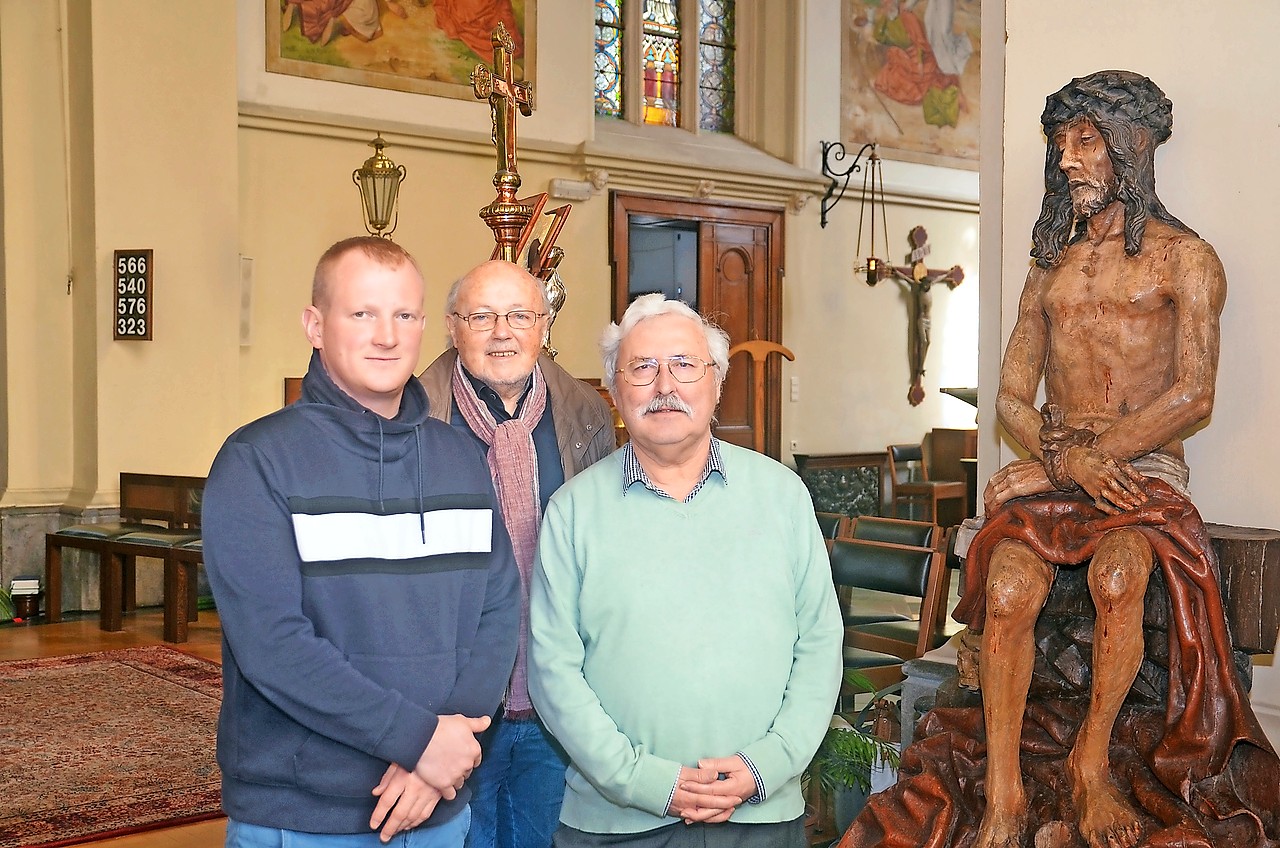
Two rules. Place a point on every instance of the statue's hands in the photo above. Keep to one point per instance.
(1114, 486)
(1017, 479)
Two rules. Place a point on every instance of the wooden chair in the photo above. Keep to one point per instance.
(849, 571)
(897, 531)
(759, 350)
(832, 524)
(924, 491)
(882, 670)
(904, 570)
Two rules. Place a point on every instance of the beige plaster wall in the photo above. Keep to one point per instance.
(165, 178)
(117, 135)
(850, 341)
(37, 307)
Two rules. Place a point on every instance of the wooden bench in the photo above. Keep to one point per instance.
(159, 518)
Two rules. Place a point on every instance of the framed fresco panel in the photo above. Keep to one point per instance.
(910, 78)
(419, 46)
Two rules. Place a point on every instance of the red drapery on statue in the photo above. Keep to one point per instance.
(1201, 769)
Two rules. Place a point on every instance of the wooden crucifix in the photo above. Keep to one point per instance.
(919, 281)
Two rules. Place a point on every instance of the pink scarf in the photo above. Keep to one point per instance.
(513, 464)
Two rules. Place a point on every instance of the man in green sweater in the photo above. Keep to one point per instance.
(686, 639)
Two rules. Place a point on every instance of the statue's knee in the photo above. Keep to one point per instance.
(1017, 589)
(1011, 600)
(1120, 568)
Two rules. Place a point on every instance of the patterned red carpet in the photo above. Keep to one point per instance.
(103, 744)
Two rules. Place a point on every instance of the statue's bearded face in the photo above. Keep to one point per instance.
(1084, 159)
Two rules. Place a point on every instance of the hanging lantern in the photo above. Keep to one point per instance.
(872, 195)
(379, 181)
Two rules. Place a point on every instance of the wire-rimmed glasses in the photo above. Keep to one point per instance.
(642, 371)
(517, 319)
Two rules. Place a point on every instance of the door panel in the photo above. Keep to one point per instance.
(739, 288)
(736, 255)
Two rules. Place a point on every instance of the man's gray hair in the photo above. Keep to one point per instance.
(651, 306)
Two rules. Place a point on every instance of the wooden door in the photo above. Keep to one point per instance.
(739, 287)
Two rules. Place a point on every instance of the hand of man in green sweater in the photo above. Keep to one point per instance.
(711, 792)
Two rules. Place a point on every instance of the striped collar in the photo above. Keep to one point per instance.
(633, 472)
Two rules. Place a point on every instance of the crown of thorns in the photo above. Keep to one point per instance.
(1112, 94)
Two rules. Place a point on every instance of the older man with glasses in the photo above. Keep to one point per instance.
(685, 636)
(538, 426)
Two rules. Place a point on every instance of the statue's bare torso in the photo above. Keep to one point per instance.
(1113, 326)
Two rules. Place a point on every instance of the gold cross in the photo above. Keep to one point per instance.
(505, 95)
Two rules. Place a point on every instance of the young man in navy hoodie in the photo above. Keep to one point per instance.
(366, 586)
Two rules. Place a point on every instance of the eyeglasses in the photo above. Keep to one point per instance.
(684, 369)
(519, 319)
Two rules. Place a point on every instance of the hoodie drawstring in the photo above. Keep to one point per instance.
(422, 513)
(381, 460)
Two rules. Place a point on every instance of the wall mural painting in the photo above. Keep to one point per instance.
(910, 78)
(421, 46)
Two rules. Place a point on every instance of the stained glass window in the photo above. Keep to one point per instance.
(661, 57)
(716, 47)
(649, 92)
(609, 70)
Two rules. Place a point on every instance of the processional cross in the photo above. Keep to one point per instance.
(919, 281)
(522, 234)
(506, 216)
(505, 96)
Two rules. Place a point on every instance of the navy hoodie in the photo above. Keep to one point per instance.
(366, 585)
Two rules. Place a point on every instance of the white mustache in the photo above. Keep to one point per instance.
(668, 401)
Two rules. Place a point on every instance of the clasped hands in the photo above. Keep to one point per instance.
(407, 798)
(1115, 486)
(704, 795)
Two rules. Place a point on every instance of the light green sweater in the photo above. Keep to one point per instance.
(666, 632)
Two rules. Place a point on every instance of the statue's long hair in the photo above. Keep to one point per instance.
(1123, 106)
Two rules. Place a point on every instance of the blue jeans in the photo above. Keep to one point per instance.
(517, 790)
(451, 834)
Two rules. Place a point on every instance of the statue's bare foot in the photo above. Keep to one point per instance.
(1106, 819)
(1001, 830)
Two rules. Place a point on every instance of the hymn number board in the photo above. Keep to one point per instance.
(132, 317)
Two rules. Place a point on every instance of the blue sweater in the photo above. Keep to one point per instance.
(366, 585)
(664, 632)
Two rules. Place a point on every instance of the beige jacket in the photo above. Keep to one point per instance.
(584, 424)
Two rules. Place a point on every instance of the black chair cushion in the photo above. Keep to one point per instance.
(895, 531)
(896, 569)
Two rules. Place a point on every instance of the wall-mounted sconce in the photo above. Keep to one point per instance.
(379, 180)
(872, 195)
